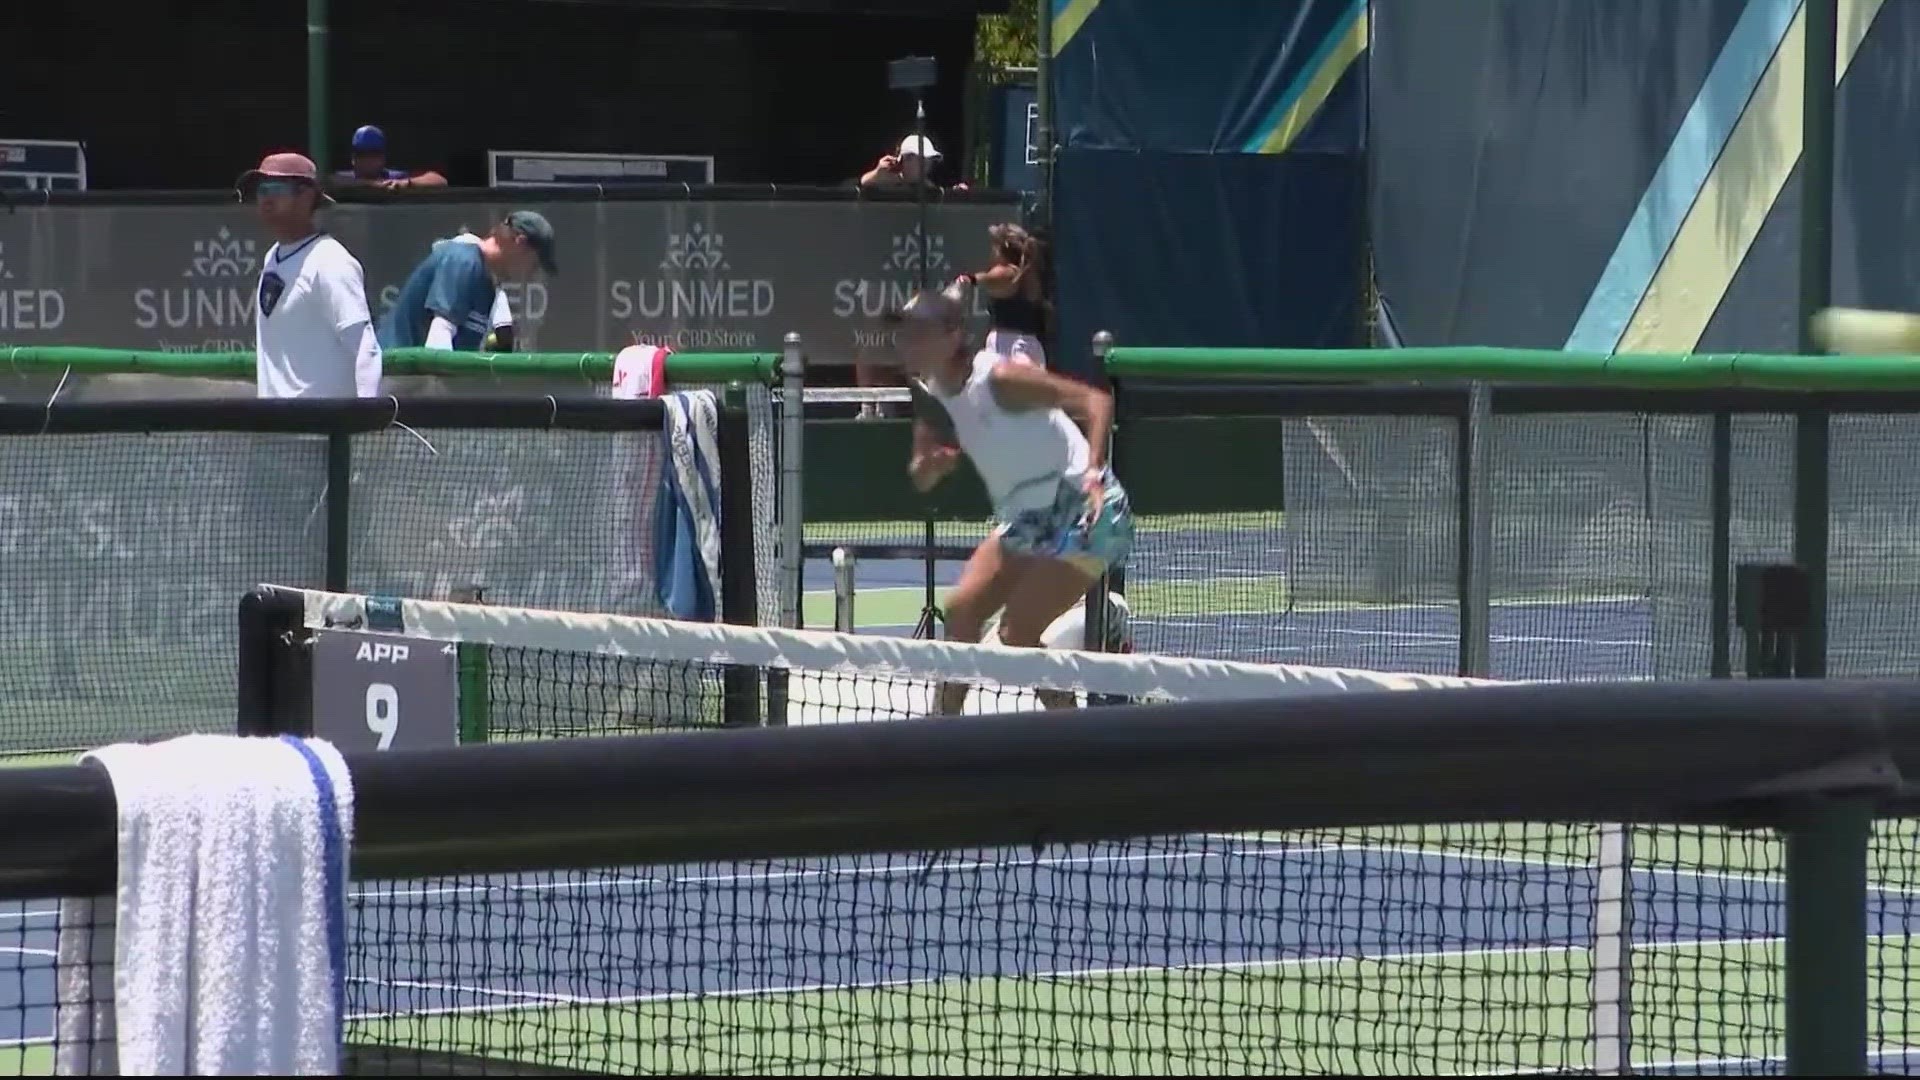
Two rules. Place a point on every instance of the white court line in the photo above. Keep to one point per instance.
(1558, 864)
(911, 866)
(1067, 974)
(1203, 622)
(17, 951)
(1694, 1063)
(1253, 845)
(458, 988)
(29, 914)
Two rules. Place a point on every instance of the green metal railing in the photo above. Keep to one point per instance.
(691, 367)
(1547, 367)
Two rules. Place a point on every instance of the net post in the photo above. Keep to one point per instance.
(339, 510)
(1720, 498)
(1095, 627)
(1826, 946)
(273, 692)
(843, 572)
(1474, 490)
(471, 670)
(793, 382)
(739, 598)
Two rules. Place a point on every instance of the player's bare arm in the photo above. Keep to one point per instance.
(1027, 386)
(931, 459)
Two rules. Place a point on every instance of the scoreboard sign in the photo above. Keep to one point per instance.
(42, 165)
(384, 691)
(517, 168)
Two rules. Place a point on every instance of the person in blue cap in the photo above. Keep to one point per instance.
(370, 164)
(449, 300)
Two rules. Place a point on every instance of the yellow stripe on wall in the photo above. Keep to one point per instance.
(1739, 193)
(1068, 18)
(1319, 88)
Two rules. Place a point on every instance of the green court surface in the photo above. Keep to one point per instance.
(37, 760)
(1494, 1011)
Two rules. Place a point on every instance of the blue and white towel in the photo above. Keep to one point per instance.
(227, 931)
(686, 525)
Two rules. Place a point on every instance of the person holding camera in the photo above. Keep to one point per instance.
(905, 167)
(1021, 312)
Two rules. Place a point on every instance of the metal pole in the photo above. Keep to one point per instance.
(1096, 622)
(843, 574)
(1811, 428)
(791, 512)
(1720, 549)
(317, 80)
(1476, 539)
(739, 602)
(926, 175)
(1826, 944)
(1043, 102)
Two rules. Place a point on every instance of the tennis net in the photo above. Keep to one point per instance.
(522, 673)
(1363, 883)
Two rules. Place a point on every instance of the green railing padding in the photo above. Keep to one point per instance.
(589, 367)
(1531, 366)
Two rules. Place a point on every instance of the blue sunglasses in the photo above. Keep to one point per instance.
(279, 187)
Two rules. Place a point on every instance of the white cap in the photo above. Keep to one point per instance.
(914, 145)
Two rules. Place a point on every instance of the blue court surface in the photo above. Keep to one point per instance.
(1402, 949)
(1596, 638)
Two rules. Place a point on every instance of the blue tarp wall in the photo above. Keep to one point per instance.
(1210, 186)
(1625, 175)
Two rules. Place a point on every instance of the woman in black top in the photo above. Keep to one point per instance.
(1016, 288)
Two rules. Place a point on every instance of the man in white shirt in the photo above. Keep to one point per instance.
(314, 336)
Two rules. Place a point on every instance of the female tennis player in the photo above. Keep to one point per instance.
(1061, 518)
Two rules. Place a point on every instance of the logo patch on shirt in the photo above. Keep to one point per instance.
(271, 288)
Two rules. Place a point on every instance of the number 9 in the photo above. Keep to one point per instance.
(383, 712)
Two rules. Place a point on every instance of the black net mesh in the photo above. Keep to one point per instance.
(1599, 563)
(120, 558)
(122, 555)
(559, 519)
(1411, 950)
(1874, 582)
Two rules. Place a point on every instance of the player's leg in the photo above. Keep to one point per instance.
(980, 593)
(1047, 591)
(1060, 554)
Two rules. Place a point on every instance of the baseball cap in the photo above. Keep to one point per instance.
(369, 140)
(534, 226)
(283, 166)
(918, 146)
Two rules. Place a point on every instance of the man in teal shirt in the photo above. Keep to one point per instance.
(448, 300)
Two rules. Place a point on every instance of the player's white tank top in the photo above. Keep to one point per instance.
(1021, 455)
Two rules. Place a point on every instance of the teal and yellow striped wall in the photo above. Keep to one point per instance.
(1716, 187)
(1212, 76)
(1342, 47)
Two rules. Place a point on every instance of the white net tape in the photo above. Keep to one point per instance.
(852, 676)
